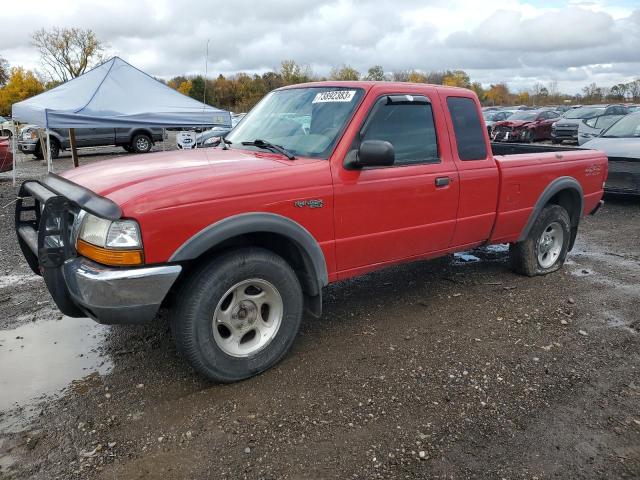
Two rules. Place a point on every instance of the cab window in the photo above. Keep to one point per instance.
(467, 128)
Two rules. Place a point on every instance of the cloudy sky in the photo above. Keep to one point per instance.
(522, 42)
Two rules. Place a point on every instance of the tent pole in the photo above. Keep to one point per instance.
(13, 147)
(72, 144)
(49, 163)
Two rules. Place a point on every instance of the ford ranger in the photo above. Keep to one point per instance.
(319, 183)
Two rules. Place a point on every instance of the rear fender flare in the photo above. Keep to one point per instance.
(558, 185)
(257, 222)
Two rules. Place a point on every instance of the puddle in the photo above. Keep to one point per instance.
(464, 257)
(582, 272)
(38, 360)
(614, 320)
(499, 248)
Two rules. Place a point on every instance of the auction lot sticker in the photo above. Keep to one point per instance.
(334, 96)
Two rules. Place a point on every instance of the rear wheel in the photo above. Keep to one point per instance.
(545, 248)
(237, 315)
(141, 143)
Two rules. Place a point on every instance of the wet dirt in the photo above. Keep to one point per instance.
(443, 369)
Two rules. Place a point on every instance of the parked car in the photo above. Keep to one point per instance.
(135, 140)
(525, 126)
(621, 143)
(590, 128)
(211, 137)
(491, 117)
(238, 242)
(566, 128)
(6, 127)
(6, 155)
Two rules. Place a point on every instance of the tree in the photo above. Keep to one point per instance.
(4, 72)
(22, 84)
(185, 87)
(345, 72)
(293, 73)
(416, 77)
(67, 53)
(479, 91)
(498, 94)
(197, 88)
(457, 78)
(375, 73)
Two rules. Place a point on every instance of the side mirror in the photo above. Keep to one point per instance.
(372, 153)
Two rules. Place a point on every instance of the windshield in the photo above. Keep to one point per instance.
(584, 112)
(489, 116)
(523, 116)
(304, 121)
(628, 126)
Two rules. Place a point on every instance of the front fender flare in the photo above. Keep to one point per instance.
(256, 222)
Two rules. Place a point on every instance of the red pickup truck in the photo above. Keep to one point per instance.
(318, 183)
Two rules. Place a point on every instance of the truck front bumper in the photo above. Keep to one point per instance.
(46, 218)
(116, 295)
(27, 147)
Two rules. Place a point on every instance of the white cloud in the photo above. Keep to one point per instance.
(518, 42)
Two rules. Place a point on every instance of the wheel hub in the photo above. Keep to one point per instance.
(550, 245)
(245, 314)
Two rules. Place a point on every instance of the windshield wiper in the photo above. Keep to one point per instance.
(270, 146)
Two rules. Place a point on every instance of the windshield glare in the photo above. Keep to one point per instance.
(305, 121)
(628, 126)
(584, 112)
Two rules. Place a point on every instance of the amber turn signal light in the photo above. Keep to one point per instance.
(117, 258)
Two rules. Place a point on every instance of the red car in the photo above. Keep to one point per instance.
(320, 182)
(525, 126)
(6, 155)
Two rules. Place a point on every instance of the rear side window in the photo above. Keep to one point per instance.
(409, 128)
(468, 129)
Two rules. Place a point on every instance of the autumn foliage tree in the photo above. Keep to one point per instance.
(21, 85)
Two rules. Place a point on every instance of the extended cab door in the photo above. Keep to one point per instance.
(387, 214)
(479, 177)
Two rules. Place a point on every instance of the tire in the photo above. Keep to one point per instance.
(224, 289)
(141, 143)
(545, 248)
(55, 149)
(6, 133)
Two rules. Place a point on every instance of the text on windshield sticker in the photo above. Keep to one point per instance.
(334, 96)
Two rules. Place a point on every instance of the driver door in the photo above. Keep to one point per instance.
(389, 214)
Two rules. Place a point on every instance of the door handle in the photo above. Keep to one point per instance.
(442, 181)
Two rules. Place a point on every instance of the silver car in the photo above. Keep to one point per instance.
(590, 128)
(621, 143)
(567, 127)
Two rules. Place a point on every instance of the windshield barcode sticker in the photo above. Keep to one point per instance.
(334, 96)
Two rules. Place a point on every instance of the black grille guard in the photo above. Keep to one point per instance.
(46, 238)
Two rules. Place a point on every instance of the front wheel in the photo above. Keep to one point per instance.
(546, 246)
(238, 314)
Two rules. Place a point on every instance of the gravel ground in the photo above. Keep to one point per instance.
(443, 369)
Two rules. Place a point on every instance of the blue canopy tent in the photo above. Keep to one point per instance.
(115, 94)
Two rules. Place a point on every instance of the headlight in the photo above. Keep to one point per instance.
(211, 140)
(110, 242)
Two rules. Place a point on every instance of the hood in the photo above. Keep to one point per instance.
(176, 177)
(616, 147)
(512, 123)
(568, 122)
